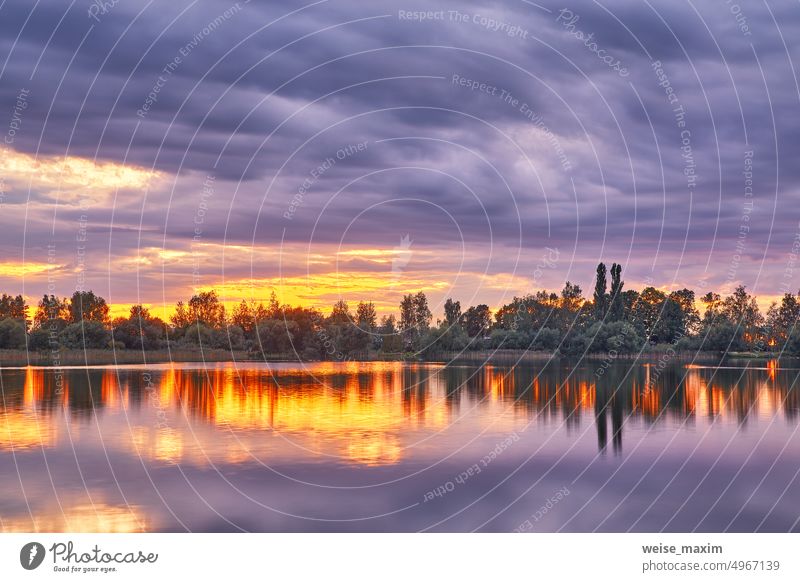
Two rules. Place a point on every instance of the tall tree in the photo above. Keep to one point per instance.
(391, 342)
(712, 302)
(422, 314)
(274, 306)
(782, 320)
(244, 317)
(86, 306)
(415, 317)
(615, 307)
(571, 297)
(690, 316)
(647, 310)
(13, 307)
(452, 312)
(180, 319)
(407, 314)
(140, 330)
(670, 323)
(741, 308)
(599, 298)
(477, 320)
(206, 308)
(366, 316)
(340, 314)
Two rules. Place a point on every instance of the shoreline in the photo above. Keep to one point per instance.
(68, 358)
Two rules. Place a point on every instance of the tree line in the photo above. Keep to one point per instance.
(613, 320)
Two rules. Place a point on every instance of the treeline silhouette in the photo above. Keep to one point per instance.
(613, 320)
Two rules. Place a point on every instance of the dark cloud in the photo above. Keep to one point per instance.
(555, 148)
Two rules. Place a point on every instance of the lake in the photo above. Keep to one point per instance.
(391, 446)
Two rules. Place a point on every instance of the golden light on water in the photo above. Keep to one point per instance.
(25, 430)
(357, 413)
(81, 517)
(290, 418)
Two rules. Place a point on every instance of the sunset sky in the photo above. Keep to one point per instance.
(349, 149)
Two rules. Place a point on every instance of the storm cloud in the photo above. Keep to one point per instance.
(276, 140)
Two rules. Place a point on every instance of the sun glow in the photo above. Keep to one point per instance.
(70, 177)
(13, 270)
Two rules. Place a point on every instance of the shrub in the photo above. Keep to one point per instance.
(12, 334)
(723, 336)
(85, 334)
(546, 339)
(198, 334)
(617, 336)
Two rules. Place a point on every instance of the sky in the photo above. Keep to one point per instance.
(342, 149)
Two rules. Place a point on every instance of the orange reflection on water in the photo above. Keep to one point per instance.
(647, 400)
(25, 430)
(81, 518)
(361, 413)
(112, 395)
(335, 410)
(22, 427)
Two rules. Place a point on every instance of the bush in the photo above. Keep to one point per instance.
(446, 338)
(140, 334)
(229, 338)
(310, 353)
(723, 336)
(574, 344)
(547, 339)
(277, 336)
(39, 340)
(793, 344)
(12, 334)
(503, 339)
(85, 335)
(687, 344)
(198, 334)
(617, 336)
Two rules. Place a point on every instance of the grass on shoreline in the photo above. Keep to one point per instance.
(21, 358)
(108, 357)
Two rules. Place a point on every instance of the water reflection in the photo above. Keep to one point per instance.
(368, 413)
(80, 517)
(73, 445)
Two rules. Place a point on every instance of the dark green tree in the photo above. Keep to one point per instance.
(452, 312)
(51, 311)
(12, 334)
(422, 314)
(600, 298)
(85, 334)
(615, 311)
(13, 307)
(340, 313)
(366, 316)
(647, 310)
(243, 316)
(140, 330)
(477, 320)
(391, 340)
(782, 320)
(206, 308)
(670, 324)
(691, 317)
(740, 308)
(86, 306)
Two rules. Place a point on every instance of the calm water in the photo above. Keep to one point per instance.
(400, 447)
